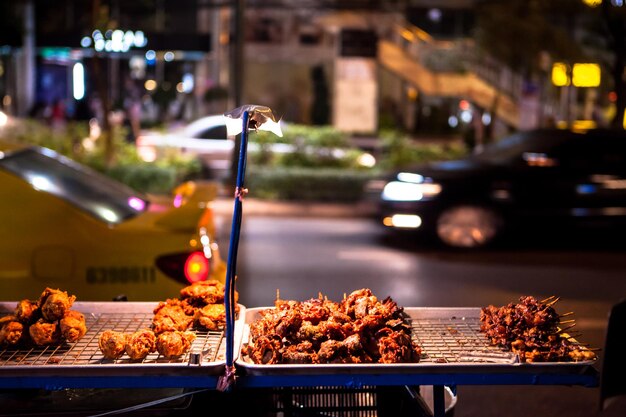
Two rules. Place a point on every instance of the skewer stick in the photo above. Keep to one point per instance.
(568, 321)
(569, 313)
(553, 301)
(547, 299)
(565, 328)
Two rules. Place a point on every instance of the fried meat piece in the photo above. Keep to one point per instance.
(303, 352)
(358, 303)
(316, 334)
(190, 306)
(112, 344)
(288, 323)
(204, 292)
(330, 351)
(360, 329)
(265, 350)
(530, 329)
(27, 311)
(11, 331)
(211, 316)
(397, 347)
(54, 304)
(170, 316)
(73, 326)
(172, 344)
(44, 333)
(7, 319)
(140, 344)
(315, 310)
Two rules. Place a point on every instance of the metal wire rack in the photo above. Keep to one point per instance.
(456, 340)
(450, 339)
(86, 351)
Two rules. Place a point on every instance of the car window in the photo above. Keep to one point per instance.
(594, 154)
(215, 132)
(90, 191)
(513, 147)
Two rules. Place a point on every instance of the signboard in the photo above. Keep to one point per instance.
(355, 98)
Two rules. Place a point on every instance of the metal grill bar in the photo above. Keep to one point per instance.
(456, 340)
(86, 351)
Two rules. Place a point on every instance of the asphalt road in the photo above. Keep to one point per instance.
(303, 256)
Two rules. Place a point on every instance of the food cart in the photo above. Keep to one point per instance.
(454, 351)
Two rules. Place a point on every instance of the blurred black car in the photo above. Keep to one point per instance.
(530, 179)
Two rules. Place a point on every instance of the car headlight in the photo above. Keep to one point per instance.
(408, 191)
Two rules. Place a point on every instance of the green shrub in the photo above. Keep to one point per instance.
(148, 178)
(158, 177)
(303, 135)
(128, 167)
(66, 142)
(399, 151)
(314, 147)
(311, 173)
(305, 184)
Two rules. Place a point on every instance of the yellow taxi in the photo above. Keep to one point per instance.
(64, 225)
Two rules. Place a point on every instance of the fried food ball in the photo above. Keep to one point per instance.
(211, 316)
(112, 344)
(170, 316)
(11, 331)
(172, 344)
(140, 344)
(204, 292)
(44, 333)
(27, 311)
(54, 304)
(73, 326)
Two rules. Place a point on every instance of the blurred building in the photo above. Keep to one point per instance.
(358, 64)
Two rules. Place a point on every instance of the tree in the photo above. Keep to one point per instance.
(519, 32)
(615, 26)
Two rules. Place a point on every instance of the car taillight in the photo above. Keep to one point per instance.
(196, 267)
(185, 267)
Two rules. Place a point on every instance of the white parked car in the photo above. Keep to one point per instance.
(205, 138)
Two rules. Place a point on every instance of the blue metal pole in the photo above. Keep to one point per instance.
(231, 270)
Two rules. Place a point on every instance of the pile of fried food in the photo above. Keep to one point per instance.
(46, 321)
(531, 329)
(359, 329)
(200, 307)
